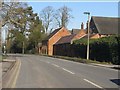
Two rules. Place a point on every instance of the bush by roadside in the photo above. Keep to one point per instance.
(104, 49)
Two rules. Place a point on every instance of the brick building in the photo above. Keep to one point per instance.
(99, 27)
(61, 36)
(103, 26)
(75, 34)
(47, 44)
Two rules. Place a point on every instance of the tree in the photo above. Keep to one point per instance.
(9, 14)
(9, 11)
(20, 18)
(47, 16)
(63, 16)
(27, 20)
(36, 36)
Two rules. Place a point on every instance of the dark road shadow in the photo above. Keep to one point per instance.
(116, 81)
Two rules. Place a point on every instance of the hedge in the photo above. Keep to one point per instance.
(104, 49)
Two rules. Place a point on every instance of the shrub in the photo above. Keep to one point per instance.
(104, 49)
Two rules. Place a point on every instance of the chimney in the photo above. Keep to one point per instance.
(82, 26)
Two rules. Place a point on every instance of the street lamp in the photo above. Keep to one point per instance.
(88, 32)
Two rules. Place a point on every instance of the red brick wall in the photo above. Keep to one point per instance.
(55, 38)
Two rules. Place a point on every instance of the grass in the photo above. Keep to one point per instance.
(81, 60)
(4, 57)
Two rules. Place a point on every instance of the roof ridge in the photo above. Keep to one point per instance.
(106, 25)
(53, 33)
(104, 17)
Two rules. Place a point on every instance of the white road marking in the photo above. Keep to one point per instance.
(93, 83)
(68, 71)
(55, 65)
(87, 64)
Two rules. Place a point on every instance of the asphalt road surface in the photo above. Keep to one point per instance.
(46, 72)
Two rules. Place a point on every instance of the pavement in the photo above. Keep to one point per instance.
(107, 65)
(7, 65)
(7, 69)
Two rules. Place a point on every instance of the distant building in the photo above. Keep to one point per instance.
(47, 44)
(60, 36)
(104, 26)
(75, 34)
(99, 27)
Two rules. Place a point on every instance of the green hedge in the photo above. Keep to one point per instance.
(104, 49)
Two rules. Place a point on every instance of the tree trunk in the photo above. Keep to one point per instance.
(23, 48)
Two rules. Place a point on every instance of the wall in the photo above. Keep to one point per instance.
(55, 38)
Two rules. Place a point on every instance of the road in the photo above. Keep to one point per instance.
(46, 72)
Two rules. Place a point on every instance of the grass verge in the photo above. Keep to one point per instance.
(81, 60)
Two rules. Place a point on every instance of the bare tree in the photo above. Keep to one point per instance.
(63, 16)
(19, 17)
(9, 12)
(47, 16)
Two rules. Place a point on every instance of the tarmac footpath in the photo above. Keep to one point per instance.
(10, 71)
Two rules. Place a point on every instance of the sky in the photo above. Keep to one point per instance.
(104, 9)
(96, 8)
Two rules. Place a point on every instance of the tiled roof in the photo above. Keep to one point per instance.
(106, 25)
(53, 33)
(75, 31)
(65, 39)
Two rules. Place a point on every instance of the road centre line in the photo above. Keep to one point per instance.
(88, 64)
(61, 68)
(55, 65)
(68, 71)
(92, 83)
